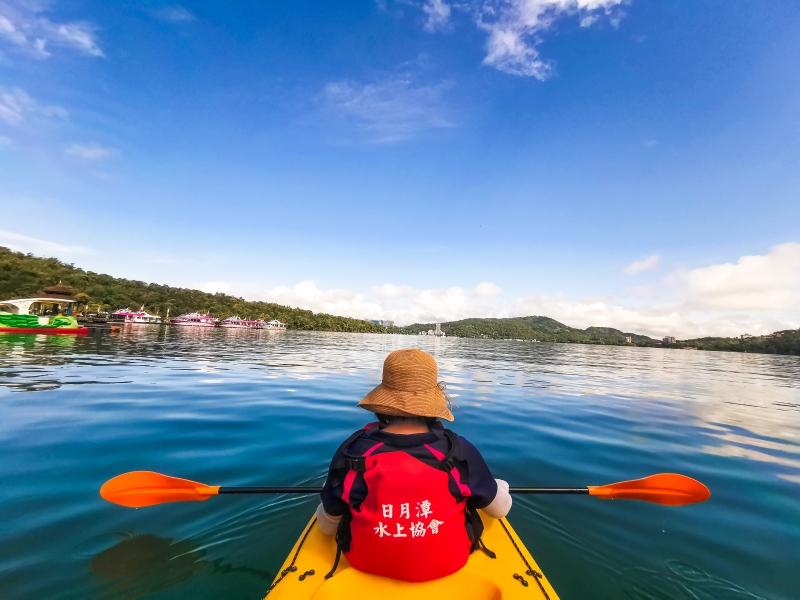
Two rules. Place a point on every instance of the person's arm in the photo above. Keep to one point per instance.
(488, 494)
(332, 507)
(327, 523)
(499, 507)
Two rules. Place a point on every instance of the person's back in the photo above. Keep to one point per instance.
(402, 493)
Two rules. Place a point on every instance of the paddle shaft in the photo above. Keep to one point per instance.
(317, 490)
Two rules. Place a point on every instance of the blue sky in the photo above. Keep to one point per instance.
(633, 164)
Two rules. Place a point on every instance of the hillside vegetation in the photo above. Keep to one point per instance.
(543, 329)
(24, 275)
(780, 342)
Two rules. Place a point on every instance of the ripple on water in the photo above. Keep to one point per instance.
(262, 409)
(680, 580)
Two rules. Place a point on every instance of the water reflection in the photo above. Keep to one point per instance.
(247, 408)
(142, 565)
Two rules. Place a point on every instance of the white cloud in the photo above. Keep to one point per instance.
(23, 243)
(27, 31)
(16, 106)
(173, 14)
(403, 304)
(91, 151)
(487, 290)
(754, 283)
(651, 262)
(80, 36)
(438, 15)
(13, 105)
(514, 28)
(388, 110)
(758, 294)
(215, 287)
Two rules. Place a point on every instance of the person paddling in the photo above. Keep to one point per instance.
(402, 493)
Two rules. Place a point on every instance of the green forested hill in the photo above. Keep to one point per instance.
(23, 275)
(780, 342)
(546, 329)
(543, 329)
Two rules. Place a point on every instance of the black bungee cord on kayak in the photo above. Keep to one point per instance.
(533, 573)
(291, 568)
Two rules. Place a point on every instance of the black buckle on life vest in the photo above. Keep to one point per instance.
(356, 463)
(448, 464)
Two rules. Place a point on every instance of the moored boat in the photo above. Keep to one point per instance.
(194, 320)
(142, 317)
(238, 323)
(56, 325)
(275, 324)
(47, 313)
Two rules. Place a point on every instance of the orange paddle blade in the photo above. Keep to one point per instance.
(670, 489)
(146, 488)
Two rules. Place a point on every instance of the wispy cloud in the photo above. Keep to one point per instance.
(25, 30)
(90, 151)
(6, 141)
(393, 108)
(16, 106)
(173, 14)
(515, 28)
(437, 13)
(23, 243)
(651, 262)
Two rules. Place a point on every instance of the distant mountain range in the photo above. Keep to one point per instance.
(545, 329)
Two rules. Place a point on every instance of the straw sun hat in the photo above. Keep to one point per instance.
(409, 388)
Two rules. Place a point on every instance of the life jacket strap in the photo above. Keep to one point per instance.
(343, 539)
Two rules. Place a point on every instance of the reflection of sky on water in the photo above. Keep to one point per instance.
(223, 408)
(756, 394)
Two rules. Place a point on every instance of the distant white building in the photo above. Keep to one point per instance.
(382, 323)
(669, 340)
(628, 339)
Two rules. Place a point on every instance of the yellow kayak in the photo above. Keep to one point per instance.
(513, 574)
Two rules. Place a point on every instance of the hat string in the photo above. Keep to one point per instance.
(450, 402)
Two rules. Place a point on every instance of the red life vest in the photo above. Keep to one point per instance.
(410, 526)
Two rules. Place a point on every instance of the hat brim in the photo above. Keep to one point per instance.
(425, 403)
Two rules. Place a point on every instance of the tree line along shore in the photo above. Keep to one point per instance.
(545, 329)
(24, 275)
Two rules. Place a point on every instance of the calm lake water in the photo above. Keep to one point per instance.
(260, 408)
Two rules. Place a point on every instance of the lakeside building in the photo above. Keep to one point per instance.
(669, 340)
(53, 300)
(382, 323)
(437, 332)
(628, 339)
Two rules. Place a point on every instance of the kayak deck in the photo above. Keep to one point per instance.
(482, 578)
